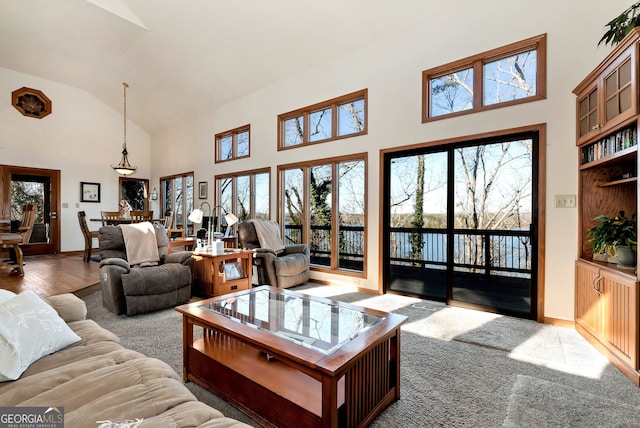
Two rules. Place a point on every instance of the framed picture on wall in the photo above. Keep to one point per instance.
(89, 192)
(202, 190)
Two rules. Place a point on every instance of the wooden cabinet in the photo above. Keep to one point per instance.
(217, 274)
(607, 309)
(607, 98)
(606, 295)
(588, 307)
(620, 315)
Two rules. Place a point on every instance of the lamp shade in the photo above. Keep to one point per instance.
(231, 219)
(196, 216)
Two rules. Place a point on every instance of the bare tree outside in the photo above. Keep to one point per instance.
(493, 191)
(511, 78)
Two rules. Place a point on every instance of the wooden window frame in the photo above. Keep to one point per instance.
(186, 210)
(234, 138)
(305, 166)
(234, 196)
(333, 105)
(477, 62)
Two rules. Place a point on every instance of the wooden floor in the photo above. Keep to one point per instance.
(52, 274)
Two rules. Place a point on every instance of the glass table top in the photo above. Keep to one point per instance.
(318, 325)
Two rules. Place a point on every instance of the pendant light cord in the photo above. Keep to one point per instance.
(125, 86)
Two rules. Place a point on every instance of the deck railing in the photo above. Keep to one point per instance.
(495, 252)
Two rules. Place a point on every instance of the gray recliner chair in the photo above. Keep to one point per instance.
(136, 290)
(278, 268)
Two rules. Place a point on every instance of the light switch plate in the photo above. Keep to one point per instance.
(565, 201)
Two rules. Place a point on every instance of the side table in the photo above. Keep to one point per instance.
(217, 274)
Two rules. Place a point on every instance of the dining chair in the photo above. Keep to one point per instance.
(109, 215)
(140, 216)
(13, 241)
(89, 236)
(168, 220)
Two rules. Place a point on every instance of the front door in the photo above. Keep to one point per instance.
(23, 185)
(461, 223)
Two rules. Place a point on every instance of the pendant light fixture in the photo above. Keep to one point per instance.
(124, 167)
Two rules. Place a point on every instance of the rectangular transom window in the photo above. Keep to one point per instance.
(508, 75)
(233, 144)
(341, 117)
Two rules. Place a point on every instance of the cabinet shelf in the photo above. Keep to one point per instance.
(622, 156)
(627, 273)
(620, 182)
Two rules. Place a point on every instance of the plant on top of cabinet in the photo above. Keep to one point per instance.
(621, 25)
(610, 233)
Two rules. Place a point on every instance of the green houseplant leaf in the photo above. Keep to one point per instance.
(621, 25)
(611, 232)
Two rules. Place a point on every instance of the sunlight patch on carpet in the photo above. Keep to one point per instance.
(449, 323)
(557, 348)
(387, 302)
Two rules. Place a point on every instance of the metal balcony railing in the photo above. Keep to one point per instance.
(491, 252)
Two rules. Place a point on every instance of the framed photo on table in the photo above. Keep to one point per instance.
(89, 192)
(202, 190)
(233, 271)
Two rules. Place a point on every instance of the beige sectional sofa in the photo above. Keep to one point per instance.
(97, 380)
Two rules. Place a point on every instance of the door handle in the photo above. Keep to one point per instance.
(595, 282)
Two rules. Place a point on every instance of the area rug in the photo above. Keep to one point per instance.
(459, 368)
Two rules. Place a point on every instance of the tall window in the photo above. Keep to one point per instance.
(324, 205)
(177, 197)
(245, 194)
(340, 117)
(233, 144)
(509, 75)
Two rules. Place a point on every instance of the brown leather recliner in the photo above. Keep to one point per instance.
(282, 269)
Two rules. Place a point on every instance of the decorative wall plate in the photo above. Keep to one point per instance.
(31, 102)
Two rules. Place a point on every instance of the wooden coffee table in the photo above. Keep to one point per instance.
(293, 360)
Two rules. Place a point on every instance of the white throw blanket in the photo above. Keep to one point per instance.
(268, 234)
(140, 242)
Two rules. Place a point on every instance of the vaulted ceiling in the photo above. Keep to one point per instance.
(183, 57)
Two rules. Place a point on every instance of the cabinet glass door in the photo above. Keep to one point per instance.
(588, 113)
(618, 91)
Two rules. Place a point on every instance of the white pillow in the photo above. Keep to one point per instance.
(29, 330)
(6, 295)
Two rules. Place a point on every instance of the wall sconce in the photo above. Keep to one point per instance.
(154, 194)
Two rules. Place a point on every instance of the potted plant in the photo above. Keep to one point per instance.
(615, 237)
(621, 25)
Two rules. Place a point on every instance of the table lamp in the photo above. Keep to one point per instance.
(231, 220)
(196, 217)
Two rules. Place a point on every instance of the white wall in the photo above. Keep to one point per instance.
(391, 70)
(82, 137)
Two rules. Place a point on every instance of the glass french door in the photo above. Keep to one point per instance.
(22, 185)
(460, 224)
